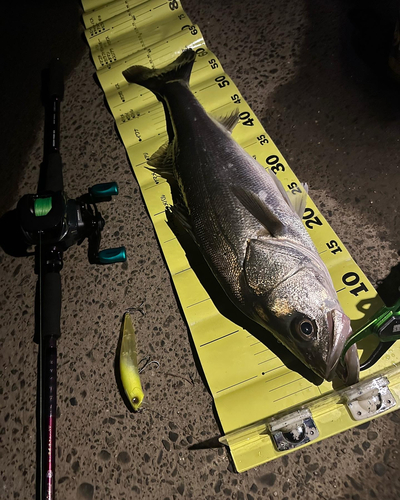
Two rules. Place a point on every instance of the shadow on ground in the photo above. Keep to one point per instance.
(341, 99)
(34, 33)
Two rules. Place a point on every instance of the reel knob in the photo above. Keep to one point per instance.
(104, 190)
(111, 255)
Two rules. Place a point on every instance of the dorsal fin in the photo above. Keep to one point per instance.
(229, 121)
(297, 200)
(279, 185)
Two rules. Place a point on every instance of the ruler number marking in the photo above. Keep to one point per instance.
(311, 219)
(351, 279)
(274, 161)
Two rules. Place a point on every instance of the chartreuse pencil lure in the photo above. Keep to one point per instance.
(128, 365)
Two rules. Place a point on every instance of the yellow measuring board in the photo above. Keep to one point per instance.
(248, 381)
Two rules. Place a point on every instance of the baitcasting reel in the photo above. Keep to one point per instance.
(53, 220)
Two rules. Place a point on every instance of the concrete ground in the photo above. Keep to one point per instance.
(315, 74)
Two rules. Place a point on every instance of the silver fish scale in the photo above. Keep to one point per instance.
(245, 227)
(281, 261)
(208, 163)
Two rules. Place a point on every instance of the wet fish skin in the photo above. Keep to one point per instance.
(245, 226)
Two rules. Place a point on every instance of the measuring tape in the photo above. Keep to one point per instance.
(237, 366)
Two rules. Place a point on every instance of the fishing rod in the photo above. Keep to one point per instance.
(52, 223)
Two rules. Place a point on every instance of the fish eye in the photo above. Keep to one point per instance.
(304, 327)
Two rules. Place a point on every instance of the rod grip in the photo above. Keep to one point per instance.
(55, 87)
(51, 305)
(53, 173)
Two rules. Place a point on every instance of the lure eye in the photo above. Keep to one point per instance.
(135, 400)
(304, 327)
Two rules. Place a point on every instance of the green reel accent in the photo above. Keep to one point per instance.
(42, 206)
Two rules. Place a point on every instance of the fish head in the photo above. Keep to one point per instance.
(303, 312)
(311, 323)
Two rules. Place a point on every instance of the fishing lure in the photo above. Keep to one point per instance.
(128, 365)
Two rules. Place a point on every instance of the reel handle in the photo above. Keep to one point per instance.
(112, 255)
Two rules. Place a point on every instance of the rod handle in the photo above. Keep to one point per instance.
(51, 304)
(56, 80)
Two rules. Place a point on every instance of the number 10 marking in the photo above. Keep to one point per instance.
(352, 279)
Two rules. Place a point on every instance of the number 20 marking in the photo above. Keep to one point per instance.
(311, 219)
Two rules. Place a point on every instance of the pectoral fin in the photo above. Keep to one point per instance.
(259, 209)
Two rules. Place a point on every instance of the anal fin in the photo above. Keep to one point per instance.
(162, 161)
(178, 216)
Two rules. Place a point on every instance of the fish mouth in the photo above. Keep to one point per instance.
(349, 372)
(340, 327)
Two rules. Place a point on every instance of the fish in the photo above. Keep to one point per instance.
(128, 365)
(248, 229)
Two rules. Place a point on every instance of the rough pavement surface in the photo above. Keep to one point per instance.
(315, 74)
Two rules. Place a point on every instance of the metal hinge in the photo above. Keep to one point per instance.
(293, 430)
(369, 399)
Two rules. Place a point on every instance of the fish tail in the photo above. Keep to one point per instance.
(156, 79)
